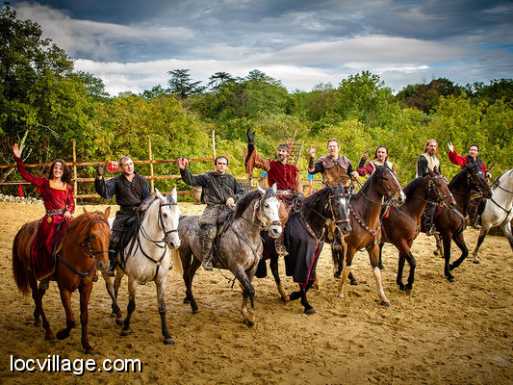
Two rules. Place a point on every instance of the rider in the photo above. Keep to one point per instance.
(380, 159)
(57, 194)
(220, 192)
(427, 163)
(279, 171)
(335, 169)
(130, 189)
(476, 199)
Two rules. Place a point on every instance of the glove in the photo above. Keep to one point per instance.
(230, 202)
(250, 135)
(100, 170)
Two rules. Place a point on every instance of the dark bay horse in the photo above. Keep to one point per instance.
(304, 236)
(84, 249)
(450, 221)
(239, 245)
(365, 231)
(401, 225)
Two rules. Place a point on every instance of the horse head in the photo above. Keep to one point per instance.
(267, 211)
(388, 185)
(438, 190)
(477, 180)
(340, 208)
(168, 217)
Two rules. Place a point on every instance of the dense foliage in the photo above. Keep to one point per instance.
(41, 96)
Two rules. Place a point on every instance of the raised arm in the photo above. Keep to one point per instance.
(252, 159)
(187, 177)
(105, 188)
(35, 180)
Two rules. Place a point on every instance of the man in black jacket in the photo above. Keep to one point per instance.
(220, 192)
(130, 190)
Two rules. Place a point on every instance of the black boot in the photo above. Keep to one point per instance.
(112, 263)
(206, 237)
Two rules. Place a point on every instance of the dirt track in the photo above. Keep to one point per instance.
(444, 333)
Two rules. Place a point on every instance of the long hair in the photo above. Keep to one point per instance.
(66, 171)
(376, 152)
(427, 144)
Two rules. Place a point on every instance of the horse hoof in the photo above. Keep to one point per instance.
(169, 341)
(249, 323)
(450, 278)
(125, 332)
(309, 311)
(354, 282)
(337, 274)
(119, 321)
(37, 322)
(62, 334)
(89, 350)
(401, 286)
(386, 303)
(186, 300)
(476, 261)
(285, 299)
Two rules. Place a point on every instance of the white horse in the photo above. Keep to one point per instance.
(498, 210)
(147, 257)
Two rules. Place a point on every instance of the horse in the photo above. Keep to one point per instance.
(148, 257)
(498, 211)
(83, 250)
(401, 225)
(450, 221)
(365, 209)
(238, 246)
(304, 236)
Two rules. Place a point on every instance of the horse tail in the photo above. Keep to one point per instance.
(18, 267)
(177, 261)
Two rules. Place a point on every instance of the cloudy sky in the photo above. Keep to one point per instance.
(132, 44)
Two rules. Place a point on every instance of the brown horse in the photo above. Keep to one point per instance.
(365, 223)
(450, 221)
(83, 250)
(401, 225)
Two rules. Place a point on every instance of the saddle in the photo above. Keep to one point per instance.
(128, 236)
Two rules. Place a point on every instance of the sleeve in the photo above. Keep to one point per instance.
(70, 200)
(456, 158)
(254, 160)
(366, 169)
(421, 166)
(237, 189)
(105, 188)
(318, 167)
(349, 168)
(35, 180)
(191, 180)
(145, 188)
(483, 167)
(299, 183)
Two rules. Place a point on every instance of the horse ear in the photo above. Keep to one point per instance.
(106, 214)
(275, 187)
(158, 194)
(260, 190)
(174, 194)
(85, 210)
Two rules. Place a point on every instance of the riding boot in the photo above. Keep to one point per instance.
(428, 225)
(113, 253)
(206, 236)
(473, 213)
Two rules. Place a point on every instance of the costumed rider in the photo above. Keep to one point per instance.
(130, 190)
(366, 167)
(220, 193)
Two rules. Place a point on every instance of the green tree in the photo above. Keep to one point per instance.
(181, 84)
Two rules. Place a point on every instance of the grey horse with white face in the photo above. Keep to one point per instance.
(238, 247)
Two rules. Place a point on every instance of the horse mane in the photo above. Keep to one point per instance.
(244, 202)
(378, 173)
(80, 225)
(459, 178)
(313, 198)
(413, 186)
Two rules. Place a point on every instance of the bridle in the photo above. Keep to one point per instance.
(440, 199)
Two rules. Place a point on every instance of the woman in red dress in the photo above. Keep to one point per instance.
(57, 194)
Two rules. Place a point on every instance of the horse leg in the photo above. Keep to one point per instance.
(130, 307)
(506, 227)
(308, 309)
(460, 242)
(335, 256)
(447, 256)
(248, 292)
(439, 250)
(188, 276)
(400, 268)
(345, 272)
(482, 235)
(85, 294)
(112, 289)
(411, 275)
(161, 298)
(374, 261)
(37, 314)
(39, 308)
(276, 274)
(380, 263)
(70, 319)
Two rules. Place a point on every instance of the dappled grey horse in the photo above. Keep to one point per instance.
(238, 247)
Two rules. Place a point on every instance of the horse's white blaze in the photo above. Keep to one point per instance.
(379, 283)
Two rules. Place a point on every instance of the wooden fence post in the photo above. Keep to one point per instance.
(75, 176)
(214, 142)
(152, 182)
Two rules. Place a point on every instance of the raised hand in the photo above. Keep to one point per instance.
(100, 170)
(365, 155)
(16, 150)
(250, 135)
(311, 152)
(450, 146)
(182, 163)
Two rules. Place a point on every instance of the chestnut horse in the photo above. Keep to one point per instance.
(365, 231)
(83, 250)
(401, 225)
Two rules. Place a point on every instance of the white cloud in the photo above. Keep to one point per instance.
(95, 38)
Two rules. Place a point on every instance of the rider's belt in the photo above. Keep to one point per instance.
(52, 213)
(128, 209)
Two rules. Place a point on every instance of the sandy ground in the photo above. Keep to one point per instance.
(443, 333)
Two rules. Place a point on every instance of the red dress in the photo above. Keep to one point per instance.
(53, 225)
